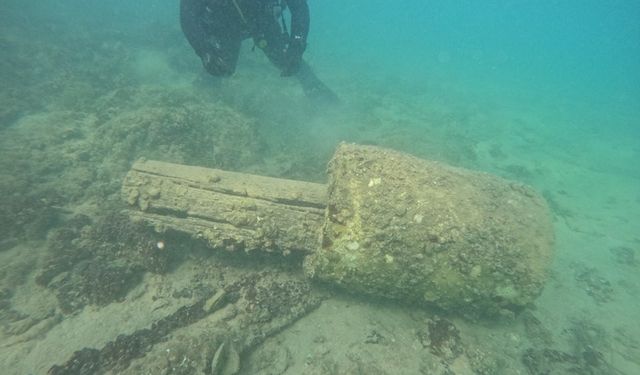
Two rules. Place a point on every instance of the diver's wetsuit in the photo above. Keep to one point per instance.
(216, 28)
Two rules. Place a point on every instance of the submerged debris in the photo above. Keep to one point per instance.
(593, 284)
(588, 343)
(442, 338)
(217, 351)
(624, 255)
(98, 262)
(117, 355)
(535, 329)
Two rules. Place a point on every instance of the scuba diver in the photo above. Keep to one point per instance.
(216, 28)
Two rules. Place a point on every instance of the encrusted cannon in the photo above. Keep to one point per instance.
(387, 224)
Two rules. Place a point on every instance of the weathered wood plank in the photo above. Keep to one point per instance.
(230, 210)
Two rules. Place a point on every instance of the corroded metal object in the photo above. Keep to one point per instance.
(387, 224)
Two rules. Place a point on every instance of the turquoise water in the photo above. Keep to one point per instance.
(546, 93)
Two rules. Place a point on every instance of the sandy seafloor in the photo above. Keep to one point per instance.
(77, 110)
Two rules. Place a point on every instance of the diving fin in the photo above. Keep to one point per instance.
(315, 89)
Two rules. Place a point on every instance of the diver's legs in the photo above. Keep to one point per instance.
(272, 39)
(215, 31)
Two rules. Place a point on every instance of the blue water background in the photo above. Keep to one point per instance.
(591, 48)
(587, 52)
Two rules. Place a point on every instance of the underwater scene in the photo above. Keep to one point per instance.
(284, 187)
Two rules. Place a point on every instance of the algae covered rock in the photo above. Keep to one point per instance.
(406, 228)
